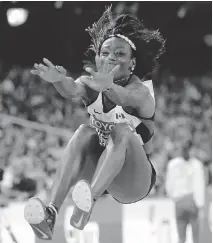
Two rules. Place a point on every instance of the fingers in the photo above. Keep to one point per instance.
(48, 63)
(90, 70)
(86, 79)
(105, 68)
(114, 70)
(89, 65)
(61, 69)
(43, 67)
(40, 67)
(35, 72)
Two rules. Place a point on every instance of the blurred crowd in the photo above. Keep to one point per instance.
(31, 155)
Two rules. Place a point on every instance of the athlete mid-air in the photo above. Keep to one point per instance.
(117, 142)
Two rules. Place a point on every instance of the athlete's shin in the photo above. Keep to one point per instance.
(71, 165)
(64, 179)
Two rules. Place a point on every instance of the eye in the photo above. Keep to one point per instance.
(119, 54)
(104, 53)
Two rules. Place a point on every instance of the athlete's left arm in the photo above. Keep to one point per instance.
(136, 95)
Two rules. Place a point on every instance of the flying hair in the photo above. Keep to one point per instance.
(147, 45)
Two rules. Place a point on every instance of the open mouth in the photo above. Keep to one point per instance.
(111, 66)
(108, 67)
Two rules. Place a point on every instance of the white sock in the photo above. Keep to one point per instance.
(53, 208)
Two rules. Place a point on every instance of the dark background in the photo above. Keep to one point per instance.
(58, 33)
(36, 122)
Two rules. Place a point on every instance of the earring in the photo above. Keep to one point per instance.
(132, 69)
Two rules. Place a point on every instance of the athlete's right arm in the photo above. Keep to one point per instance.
(70, 88)
(66, 86)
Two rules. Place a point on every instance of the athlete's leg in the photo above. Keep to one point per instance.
(112, 159)
(84, 194)
(124, 169)
(83, 145)
(84, 141)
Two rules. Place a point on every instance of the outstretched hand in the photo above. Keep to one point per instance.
(100, 80)
(49, 72)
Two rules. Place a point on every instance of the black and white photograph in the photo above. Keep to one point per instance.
(106, 121)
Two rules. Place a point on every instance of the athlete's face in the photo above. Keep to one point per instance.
(116, 51)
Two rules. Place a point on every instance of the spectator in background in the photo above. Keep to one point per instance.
(185, 184)
(16, 182)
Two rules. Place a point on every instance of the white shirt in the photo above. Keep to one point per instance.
(184, 178)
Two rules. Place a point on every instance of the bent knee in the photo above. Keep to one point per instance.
(84, 134)
(121, 132)
(85, 129)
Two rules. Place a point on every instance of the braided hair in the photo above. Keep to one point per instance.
(150, 44)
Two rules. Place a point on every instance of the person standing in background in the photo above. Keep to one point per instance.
(185, 185)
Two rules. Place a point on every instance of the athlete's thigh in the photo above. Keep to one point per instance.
(134, 180)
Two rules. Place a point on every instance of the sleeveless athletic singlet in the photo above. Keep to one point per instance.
(104, 122)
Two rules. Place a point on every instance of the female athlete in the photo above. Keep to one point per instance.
(115, 146)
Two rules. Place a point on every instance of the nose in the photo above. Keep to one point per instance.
(112, 57)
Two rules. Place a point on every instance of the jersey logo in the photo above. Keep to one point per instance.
(97, 112)
(101, 125)
(42, 234)
(119, 116)
(78, 224)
